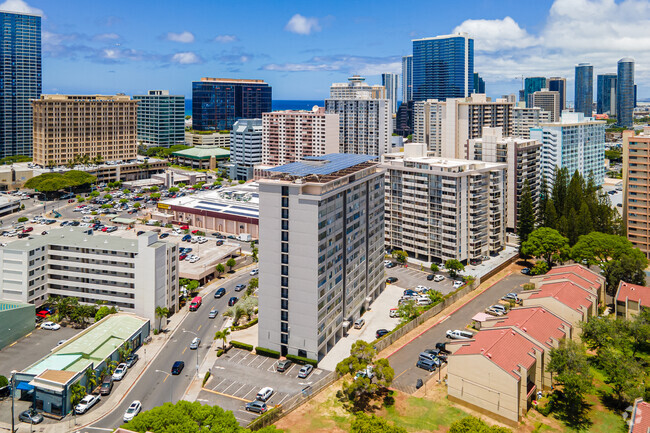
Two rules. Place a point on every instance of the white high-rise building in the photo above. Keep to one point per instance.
(135, 275)
(321, 250)
(524, 118)
(407, 78)
(245, 148)
(356, 87)
(364, 124)
(389, 81)
(439, 209)
(575, 142)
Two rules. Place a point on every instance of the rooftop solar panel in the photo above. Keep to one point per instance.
(322, 165)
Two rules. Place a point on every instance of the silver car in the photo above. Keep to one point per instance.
(195, 343)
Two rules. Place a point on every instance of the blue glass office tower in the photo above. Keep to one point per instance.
(20, 80)
(558, 84)
(584, 97)
(625, 93)
(217, 103)
(532, 85)
(479, 83)
(606, 94)
(443, 67)
(407, 78)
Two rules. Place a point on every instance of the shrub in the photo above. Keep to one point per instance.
(240, 345)
(23, 219)
(265, 419)
(529, 286)
(246, 325)
(219, 352)
(3, 381)
(155, 331)
(205, 378)
(302, 360)
(540, 268)
(267, 352)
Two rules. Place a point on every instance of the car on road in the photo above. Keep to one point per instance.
(255, 272)
(426, 364)
(459, 335)
(107, 385)
(86, 403)
(264, 394)
(44, 232)
(305, 371)
(132, 411)
(61, 342)
(177, 367)
(256, 406)
(381, 332)
(232, 301)
(221, 291)
(50, 326)
(195, 343)
(391, 280)
(213, 313)
(438, 278)
(120, 371)
(358, 324)
(284, 365)
(240, 287)
(131, 360)
(31, 416)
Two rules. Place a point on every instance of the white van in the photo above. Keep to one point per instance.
(459, 335)
(153, 222)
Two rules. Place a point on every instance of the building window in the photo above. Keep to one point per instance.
(285, 190)
(284, 338)
(284, 281)
(285, 201)
(285, 225)
(284, 293)
(284, 304)
(285, 236)
(285, 270)
(285, 259)
(284, 315)
(284, 327)
(285, 247)
(285, 213)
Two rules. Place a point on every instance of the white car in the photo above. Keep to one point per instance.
(51, 326)
(86, 403)
(421, 288)
(265, 394)
(120, 371)
(202, 240)
(458, 284)
(132, 411)
(195, 259)
(255, 271)
(438, 278)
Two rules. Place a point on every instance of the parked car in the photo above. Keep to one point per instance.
(240, 287)
(256, 406)
(220, 292)
(50, 326)
(131, 360)
(494, 312)
(391, 280)
(177, 367)
(442, 347)
(499, 307)
(512, 296)
(182, 257)
(213, 313)
(132, 411)
(86, 403)
(284, 365)
(255, 272)
(195, 231)
(423, 300)
(264, 394)
(195, 343)
(120, 371)
(31, 416)
(163, 235)
(186, 238)
(305, 371)
(107, 386)
(525, 271)
(458, 284)
(430, 277)
(381, 332)
(438, 278)
(390, 265)
(426, 364)
(232, 301)
(185, 227)
(434, 354)
(409, 292)
(28, 229)
(459, 335)
(139, 232)
(393, 312)
(358, 324)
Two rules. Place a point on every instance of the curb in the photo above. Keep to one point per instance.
(446, 316)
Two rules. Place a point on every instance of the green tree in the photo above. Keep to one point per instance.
(363, 423)
(254, 253)
(407, 311)
(92, 380)
(220, 268)
(67, 306)
(223, 336)
(77, 392)
(559, 191)
(400, 256)
(526, 217)
(584, 225)
(623, 373)
(454, 267)
(542, 203)
(547, 244)
(231, 263)
(104, 311)
(471, 424)
(434, 267)
(254, 283)
(3, 381)
(435, 296)
(160, 313)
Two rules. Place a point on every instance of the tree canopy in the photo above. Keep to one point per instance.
(50, 182)
(373, 424)
(547, 244)
(526, 215)
(471, 424)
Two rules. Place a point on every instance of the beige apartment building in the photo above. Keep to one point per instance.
(289, 136)
(631, 299)
(440, 209)
(93, 125)
(636, 192)
(357, 88)
(523, 157)
(548, 101)
(525, 118)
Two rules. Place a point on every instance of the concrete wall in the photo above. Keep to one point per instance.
(15, 323)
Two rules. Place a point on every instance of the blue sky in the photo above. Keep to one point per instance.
(92, 46)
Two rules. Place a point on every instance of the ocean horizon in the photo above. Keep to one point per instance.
(277, 104)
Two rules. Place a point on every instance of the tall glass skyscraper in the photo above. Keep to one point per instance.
(532, 85)
(606, 94)
(389, 81)
(20, 80)
(625, 93)
(407, 78)
(558, 84)
(584, 98)
(443, 67)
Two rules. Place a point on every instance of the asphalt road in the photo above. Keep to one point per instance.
(154, 389)
(403, 361)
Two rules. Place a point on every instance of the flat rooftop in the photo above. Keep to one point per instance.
(240, 200)
(10, 305)
(92, 346)
(323, 165)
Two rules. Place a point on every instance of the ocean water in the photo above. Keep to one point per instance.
(277, 104)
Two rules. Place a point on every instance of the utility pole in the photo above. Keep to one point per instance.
(13, 390)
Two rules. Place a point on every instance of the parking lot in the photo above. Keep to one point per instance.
(238, 376)
(411, 277)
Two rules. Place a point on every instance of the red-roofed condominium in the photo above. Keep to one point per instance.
(630, 298)
(640, 420)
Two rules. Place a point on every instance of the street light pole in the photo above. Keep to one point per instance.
(13, 390)
(171, 388)
(197, 352)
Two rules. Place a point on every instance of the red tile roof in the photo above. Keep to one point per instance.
(571, 276)
(633, 292)
(507, 348)
(537, 322)
(640, 422)
(567, 293)
(589, 275)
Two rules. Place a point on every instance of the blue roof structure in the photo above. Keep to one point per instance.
(322, 165)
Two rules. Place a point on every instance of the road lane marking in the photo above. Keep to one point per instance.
(225, 395)
(184, 351)
(199, 328)
(239, 389)
(401, 373)
(165, 378)
(229, 386)
(285, 397)
(217, 386)
(252, 390)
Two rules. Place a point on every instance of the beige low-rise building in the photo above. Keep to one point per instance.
(631, 299)
(201, 138)
(578, 274)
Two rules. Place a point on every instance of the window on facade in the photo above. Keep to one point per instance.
(285, 270)
(284, 304)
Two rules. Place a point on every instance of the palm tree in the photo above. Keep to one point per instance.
(51, 164)
(91, 379)
(223, 336)
(160, 313)
(124, 351)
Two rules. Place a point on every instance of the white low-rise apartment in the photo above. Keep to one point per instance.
(321, 250)
(525, 118)
(439, 209)
(135, 275)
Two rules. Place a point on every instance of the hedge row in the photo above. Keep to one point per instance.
(245, 326)
(205, 379)
(302, 360)
(265, 419)
(267, 352)
(240, 345)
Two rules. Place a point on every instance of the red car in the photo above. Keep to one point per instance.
(43, 314)
(28, 229)
(185, 227)
(182, 257)
(104, 229)
(194, 232)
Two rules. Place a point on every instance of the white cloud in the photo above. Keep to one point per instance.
(226, 39)
(106, 37)
(184, 37)
(19, 6)
(496, 35)
(302, 25)
(186, 58)
(350, 64)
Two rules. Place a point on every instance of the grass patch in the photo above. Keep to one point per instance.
(419, 414)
